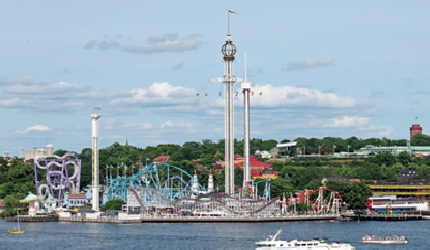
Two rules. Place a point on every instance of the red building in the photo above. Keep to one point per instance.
(415, 129)
(259, 169)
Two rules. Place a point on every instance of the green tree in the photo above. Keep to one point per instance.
(115, 204)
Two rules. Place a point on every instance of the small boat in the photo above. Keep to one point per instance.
(272, 243)
(395, 239)
(16, 230)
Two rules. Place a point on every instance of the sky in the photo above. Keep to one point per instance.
(318, 69)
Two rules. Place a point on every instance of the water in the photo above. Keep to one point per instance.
(69, 235)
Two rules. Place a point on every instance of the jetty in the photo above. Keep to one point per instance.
(382, 217)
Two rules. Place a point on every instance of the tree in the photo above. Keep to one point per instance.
(420, 140)
(278, 187)
(354, 193)
(115, 204)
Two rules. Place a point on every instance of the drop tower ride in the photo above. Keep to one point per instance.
(95, 160)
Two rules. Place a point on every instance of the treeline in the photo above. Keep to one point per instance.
(17, 177)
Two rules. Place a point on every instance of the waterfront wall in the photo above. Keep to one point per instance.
(36, 218)
(233, 218)
(384, 217)
(136, 218)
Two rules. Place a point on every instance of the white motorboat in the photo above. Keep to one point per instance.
(272, 242)
(395, 239)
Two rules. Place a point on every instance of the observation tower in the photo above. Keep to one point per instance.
(229, 50)
(95, 160)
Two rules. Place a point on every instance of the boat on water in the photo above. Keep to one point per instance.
(16, 230)
(272, 242)
(395, 239)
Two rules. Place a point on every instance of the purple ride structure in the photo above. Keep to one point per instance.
(63, 174)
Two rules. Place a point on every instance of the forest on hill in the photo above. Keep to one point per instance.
(17, 176)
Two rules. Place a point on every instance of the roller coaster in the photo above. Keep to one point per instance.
(62, 175)
(327, 201)
(159, 187)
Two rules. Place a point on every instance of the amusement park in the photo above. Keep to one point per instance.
(161, 188)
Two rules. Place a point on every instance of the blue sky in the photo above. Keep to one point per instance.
(323, 68)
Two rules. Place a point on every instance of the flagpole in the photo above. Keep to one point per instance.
(228, 22)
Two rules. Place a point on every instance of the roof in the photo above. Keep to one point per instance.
(259, 172)
(286, 144)
(77, 196)
(163, 158)
(254, 163)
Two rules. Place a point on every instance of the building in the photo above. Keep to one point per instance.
(285, 148)
(259, 169)
(413, 189)
(415, 129)
(417, 189)
(414, 151)
(39, 151)
(162, 159)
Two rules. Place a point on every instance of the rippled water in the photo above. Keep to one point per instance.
(67, 235)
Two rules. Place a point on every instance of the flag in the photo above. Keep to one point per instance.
(147, 159)
(22, 150)
(334, 146)
(232, 12)
(349, 146)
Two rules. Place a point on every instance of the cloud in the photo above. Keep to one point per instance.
(178, 66)
(309, 64)
(421, 91)
(376, 94)
(160, 94)
(290, 96)
(34, 96)
(347, 122)
(61, 87)
(25, 80)
(34, 128)
(154, 44)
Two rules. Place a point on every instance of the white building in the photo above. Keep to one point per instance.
(40, 151)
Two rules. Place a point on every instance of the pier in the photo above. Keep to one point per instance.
(383, 217)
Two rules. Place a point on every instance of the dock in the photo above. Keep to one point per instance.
(383, 217)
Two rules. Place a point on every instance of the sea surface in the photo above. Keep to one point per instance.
(72, 235)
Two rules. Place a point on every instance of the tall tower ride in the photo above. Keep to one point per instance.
(95, 160)
(229, 50)
(246, 90)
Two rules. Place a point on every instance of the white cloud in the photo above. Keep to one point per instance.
(170, 124)
(163, 43)
(347, 122)
(60, 87)
(289, 96)
(34, 128)
(312, 63)
(159, 94)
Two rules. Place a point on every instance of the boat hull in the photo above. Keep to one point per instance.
(15, 232)
(386, 242)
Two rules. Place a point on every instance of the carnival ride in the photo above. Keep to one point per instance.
(161, 186)
(63, 174)
(327, 201)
